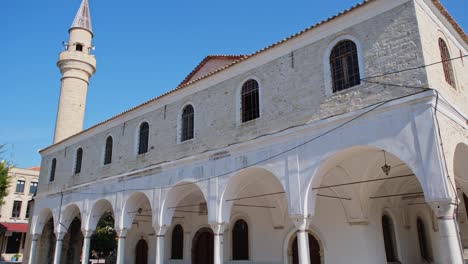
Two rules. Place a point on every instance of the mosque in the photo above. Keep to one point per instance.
(346, 142)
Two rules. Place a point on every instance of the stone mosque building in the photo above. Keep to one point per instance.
(344, 143)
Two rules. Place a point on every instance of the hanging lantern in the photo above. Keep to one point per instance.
(386, 168)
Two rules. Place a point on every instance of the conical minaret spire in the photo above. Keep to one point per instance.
(83, 18)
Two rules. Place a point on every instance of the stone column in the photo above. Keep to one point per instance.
(86, 246)
(32, 252)
(449, 245)
(160, 236)
(218, 230)
(58, 248)
(188, 247)
(122, 233)
(302, 224)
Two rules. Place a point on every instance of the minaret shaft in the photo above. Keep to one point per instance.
(76, 65)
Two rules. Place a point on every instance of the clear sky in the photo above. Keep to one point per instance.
(143, 48)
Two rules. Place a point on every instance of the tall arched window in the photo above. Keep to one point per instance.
(344, 65)
(250, 101)
(446, 62)
(177, 249)
(78, 160)
(240, 241)
(143, 138)
(53, 166)
(108, 150)
(389, 239)
(187, 123)
(423, 243)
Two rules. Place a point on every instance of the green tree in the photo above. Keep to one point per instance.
(4, 176)
(103, 241)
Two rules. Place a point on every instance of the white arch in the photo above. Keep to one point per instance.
(289, 238)
(132, 205)
(175, 195)
(67, 216)
(98, 209)
(270, 183)
(44, 216)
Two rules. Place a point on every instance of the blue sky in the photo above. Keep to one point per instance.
(143, 48)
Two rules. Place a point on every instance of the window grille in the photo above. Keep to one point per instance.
(16, 209)
(446, 63)
(240, 241)
(108, 151)
(19, 186)
(250, 101)
(78, 161)
(177, 249)
(187, 123)
(344, 65)
(143, 138)
(52, 170)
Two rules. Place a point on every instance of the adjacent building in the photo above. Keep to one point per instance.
(15, 213)
(344, 143)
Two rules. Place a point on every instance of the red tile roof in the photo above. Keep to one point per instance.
(210, 64)
(35, 168)
(15, 227)
(190, 80)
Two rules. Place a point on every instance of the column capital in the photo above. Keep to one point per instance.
(60, 235)
(444, 210)
(218, 228)
(122, 232)
(87, 233)
(301, 222)
(160, 229)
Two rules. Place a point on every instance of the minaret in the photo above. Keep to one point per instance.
(76, 65)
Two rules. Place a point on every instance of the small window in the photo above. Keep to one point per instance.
(28, 209)
(240, 241)
(177, 249)
(52, 170)
(446, 62)
(344, 66)
(250, 101)
(108, 151)
(78, 160)
(20, 186)
(15, 213)
(423, 243)
(389, 239)
(79, 47)
(33, 188)
(187, 123)
(143, 138)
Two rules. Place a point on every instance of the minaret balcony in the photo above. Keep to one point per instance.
(77, 60)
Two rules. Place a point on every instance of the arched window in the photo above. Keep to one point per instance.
(240, 241)
(187, 123)
(53, 166)
(78, 160)
(423, 243)
(79, 47)
(344, 65)
(250, 101)
(177, 249)
(389, 239)
(108, 150)
(446, 62)
(143, 138)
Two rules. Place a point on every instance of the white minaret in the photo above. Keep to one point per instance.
(77, 66)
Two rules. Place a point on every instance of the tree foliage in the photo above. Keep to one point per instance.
(4, 176)
(103, 241)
